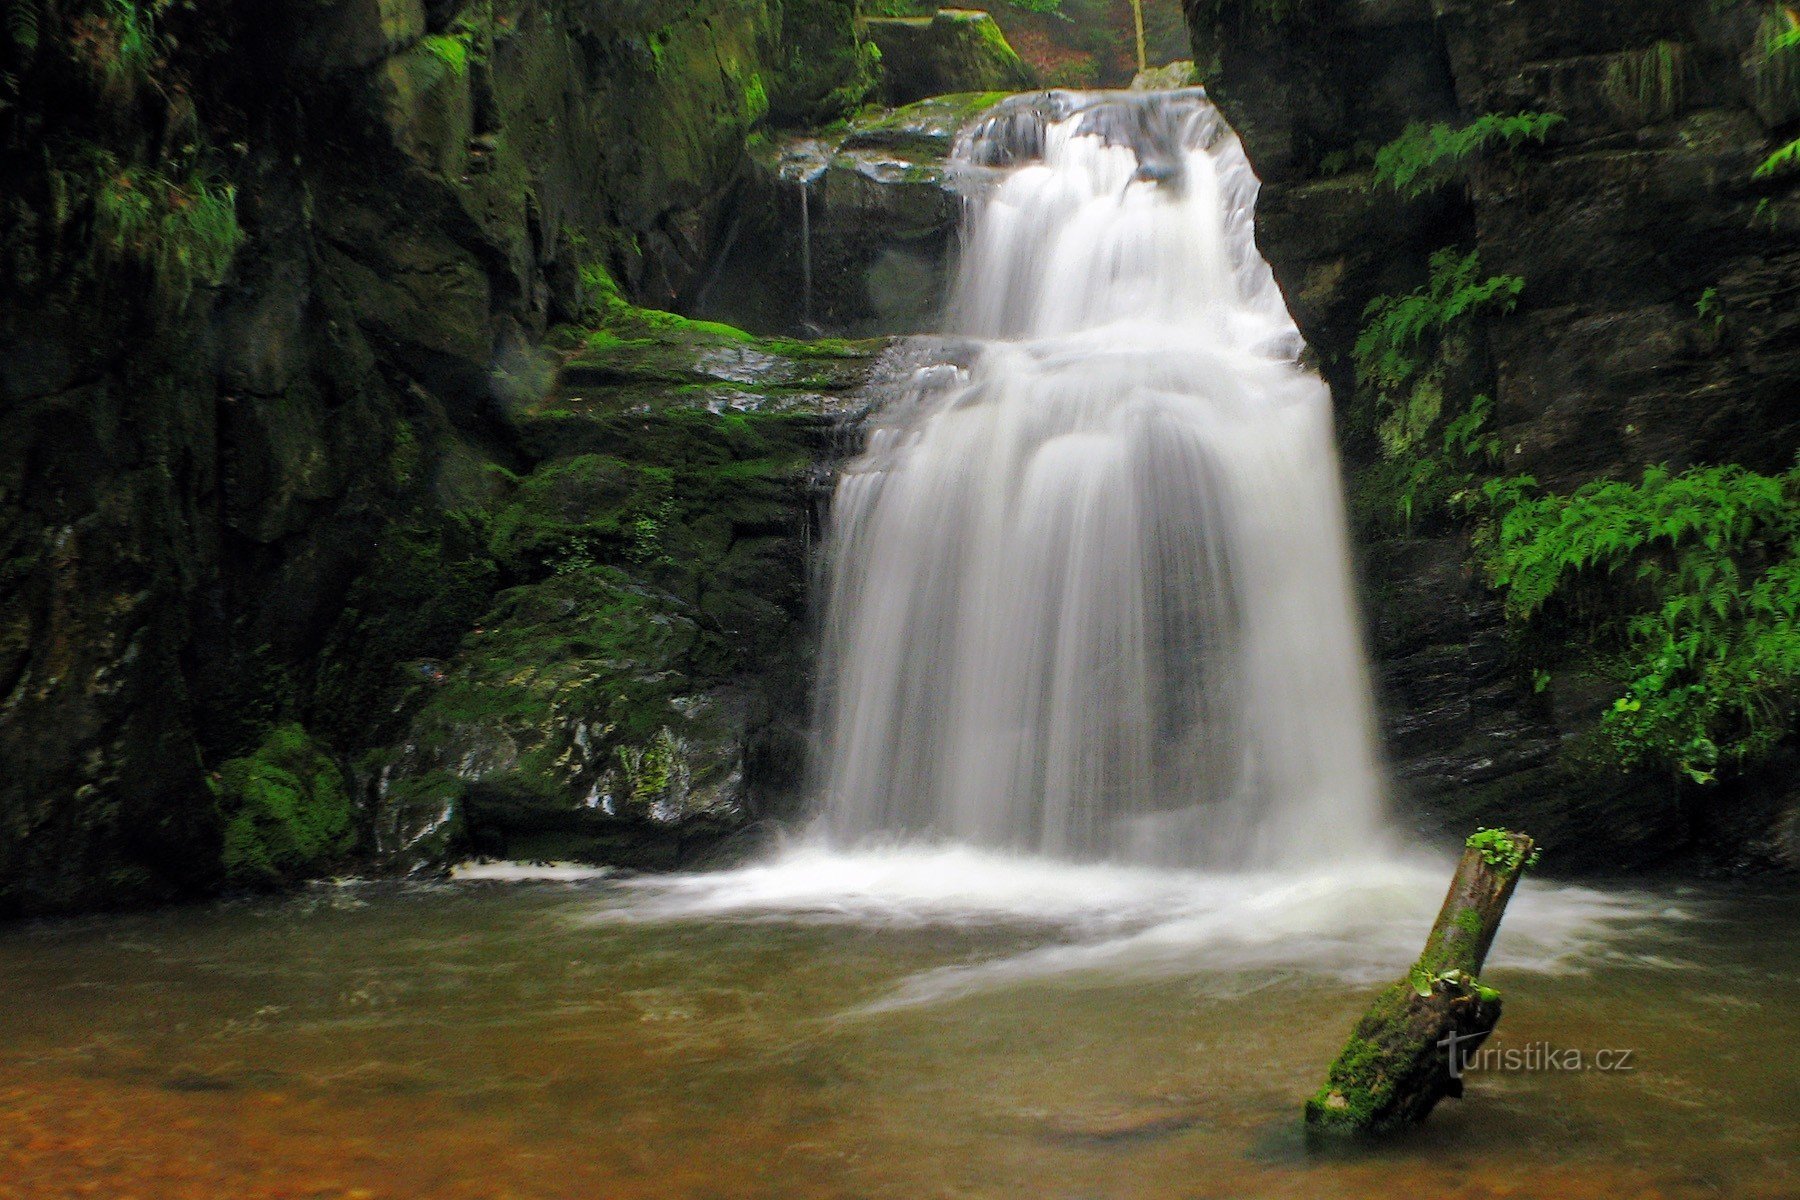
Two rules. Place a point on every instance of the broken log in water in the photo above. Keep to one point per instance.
(1408, 1051)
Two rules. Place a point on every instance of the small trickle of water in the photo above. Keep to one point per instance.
(805, 252)
(1091, 596)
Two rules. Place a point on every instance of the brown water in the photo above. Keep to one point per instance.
(497, 1040)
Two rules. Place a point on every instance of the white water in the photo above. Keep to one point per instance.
(1092, 659)
(1092, 598)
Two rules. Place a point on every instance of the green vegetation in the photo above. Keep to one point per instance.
(184, 231)
(1427, 157)
(1424, 982)
(119, 42)
(1683, 588)
(1776, 76)
(286, 810)
(1780, 161)
(654, 772)
(1647, 85)
(1408, 367)
(1499, 849)
(23, 25)
(449, 50)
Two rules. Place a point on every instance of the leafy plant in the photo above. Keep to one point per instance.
(24, 20)
(1710, 311)
(1647, 85)
(1393, 349)
(184, 230)
(1426, 157)
(1775, 66)
(1686, 588)
(451, 51)
(1424, 981)
(1778, 162)
(1499, 849)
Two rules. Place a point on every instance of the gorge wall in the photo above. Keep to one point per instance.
(1659, 322)
(358, 504)
(276, 278)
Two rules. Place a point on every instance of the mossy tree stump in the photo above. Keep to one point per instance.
(1408, 1050)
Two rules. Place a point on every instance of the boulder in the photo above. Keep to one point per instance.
(953, 50)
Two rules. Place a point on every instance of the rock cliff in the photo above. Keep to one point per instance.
(1657, 323)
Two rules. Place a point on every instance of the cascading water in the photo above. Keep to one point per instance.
(1090, 595)
(1090, 600)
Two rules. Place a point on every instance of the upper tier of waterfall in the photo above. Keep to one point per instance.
(1090, 593)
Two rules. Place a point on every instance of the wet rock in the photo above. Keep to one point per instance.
(200, 503)
(851, 232)
(1639, 203)
(639, 694)
(952, 50)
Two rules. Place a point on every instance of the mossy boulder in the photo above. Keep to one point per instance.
(578, 722)
(286, 810)
(953, 50)
(636, 692)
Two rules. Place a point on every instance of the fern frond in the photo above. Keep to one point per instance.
(1426, 157)
(1780, 161)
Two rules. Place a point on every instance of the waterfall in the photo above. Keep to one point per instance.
(1089, 584)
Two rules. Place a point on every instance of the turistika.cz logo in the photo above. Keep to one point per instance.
(1465, 1053)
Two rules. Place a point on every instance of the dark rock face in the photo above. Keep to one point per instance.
(191, 492)
(873, 249)
(1640, 203)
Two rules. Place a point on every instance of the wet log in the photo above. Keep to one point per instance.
(1408, 1051)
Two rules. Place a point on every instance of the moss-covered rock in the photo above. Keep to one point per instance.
(286, 810)
(636, 692)
(230, 450)
(952, 50)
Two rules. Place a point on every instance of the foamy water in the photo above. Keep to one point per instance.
(1361, 921)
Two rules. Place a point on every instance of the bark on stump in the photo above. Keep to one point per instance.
(1398, 1062)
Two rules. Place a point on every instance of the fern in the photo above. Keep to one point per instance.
(1426, 157)
(1403, 358)
(1388, 350)
(1648, 85)
(1778, 162)
(1705, 568)
(1775, 72)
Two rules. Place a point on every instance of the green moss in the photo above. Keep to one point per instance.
(425, 586)
(286, 811)
(1360, 1086)
(403, 459)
